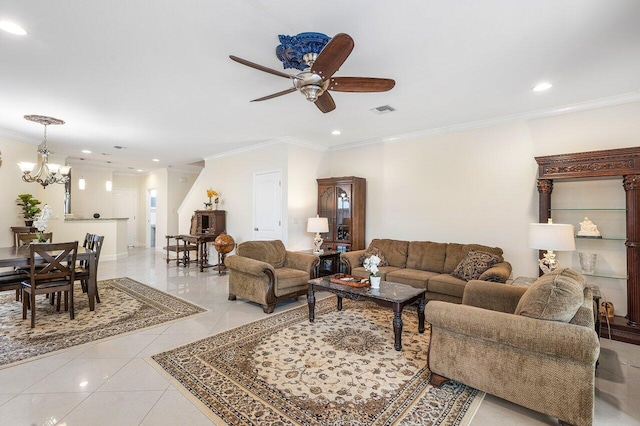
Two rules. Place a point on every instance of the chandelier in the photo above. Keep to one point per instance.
(47, 173)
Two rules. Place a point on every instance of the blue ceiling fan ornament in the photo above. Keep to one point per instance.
(292, 48)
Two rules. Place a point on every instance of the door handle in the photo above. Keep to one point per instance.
(255, 229)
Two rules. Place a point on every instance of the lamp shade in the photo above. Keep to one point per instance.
(318, 224)
(551, 236)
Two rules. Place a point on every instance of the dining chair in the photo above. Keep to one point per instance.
(57, 274)
(30, 237)
(26, 239)
(12, 280)
(87, 239)
(82, 272)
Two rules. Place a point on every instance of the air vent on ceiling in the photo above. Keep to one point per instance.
(384, 109)
(119, 147)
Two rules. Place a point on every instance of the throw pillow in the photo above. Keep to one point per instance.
(474, 264)
(371, 251)
(555, 296)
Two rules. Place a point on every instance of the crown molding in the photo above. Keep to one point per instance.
(610, 101)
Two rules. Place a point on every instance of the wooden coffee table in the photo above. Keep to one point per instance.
(394, 296)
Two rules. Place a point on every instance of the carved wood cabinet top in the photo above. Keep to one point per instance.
(612, 162)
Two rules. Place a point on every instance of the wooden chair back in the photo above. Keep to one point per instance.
(87, 239)
(194, 225)
(52, 262)
(31, 237)
(96, 246)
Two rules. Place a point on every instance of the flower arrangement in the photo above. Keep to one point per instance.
(371, 264)
(211, 193)
(42, 221)
(29, 206)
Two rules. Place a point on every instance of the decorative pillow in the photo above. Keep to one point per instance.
(554, 296)
(474, 264)
(371, 251)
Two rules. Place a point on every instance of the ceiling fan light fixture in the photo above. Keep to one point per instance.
(312, 92)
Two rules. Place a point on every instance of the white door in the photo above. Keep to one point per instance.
(124, 205)
(267, 205)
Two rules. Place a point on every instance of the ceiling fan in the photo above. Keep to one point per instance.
(319, 61)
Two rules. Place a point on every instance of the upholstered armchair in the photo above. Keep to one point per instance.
(266, 273)
(534, 346)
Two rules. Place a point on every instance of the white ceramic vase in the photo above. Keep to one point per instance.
(375, 281)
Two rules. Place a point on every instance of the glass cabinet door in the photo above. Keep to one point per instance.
(326, 208)
(343, 213)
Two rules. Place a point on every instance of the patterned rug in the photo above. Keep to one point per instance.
(127, 305)
(340, 370)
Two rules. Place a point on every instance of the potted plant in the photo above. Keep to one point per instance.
(371, 264)
(29, 207)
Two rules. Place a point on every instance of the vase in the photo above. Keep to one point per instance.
(375, 281)
(588, 262)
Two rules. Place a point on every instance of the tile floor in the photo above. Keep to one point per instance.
(110, 383)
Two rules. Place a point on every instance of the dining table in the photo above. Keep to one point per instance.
(19, 256)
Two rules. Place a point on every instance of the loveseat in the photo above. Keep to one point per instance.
(534, 346)
(266, 273)
(429, 265)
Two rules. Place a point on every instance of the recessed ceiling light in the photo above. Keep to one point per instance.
(155, 159)
(541, 87)
(12, 27)
(139, 170)
(86, 151)
(336, 132)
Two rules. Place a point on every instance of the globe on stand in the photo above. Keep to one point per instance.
(224, 243)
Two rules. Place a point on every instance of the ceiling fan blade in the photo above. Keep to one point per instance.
(360, 84)
(325, 103)
(275, 95)
(333, 56)
(260, 67)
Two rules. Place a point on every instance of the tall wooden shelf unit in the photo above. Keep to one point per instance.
(342, 201)
(624, 163)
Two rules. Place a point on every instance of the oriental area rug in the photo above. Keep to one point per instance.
(340, 370)
(126, 306)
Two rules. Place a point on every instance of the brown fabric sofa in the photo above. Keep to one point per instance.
(266, 273)
(545, 365)
(426, 264)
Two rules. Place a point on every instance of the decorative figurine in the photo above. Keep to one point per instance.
(588, 229)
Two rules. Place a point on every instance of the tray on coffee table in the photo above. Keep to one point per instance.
(350, 280)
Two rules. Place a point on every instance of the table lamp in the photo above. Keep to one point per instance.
(318, 224)
(551, 236)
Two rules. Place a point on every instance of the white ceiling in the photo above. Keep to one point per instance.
(154, 75)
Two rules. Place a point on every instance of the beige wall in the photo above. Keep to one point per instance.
(94, 198)
(11, 184)
(302, 190)
(178, 185)
(232, 177)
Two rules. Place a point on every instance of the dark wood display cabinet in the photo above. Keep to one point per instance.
(343, 201)
(208, 222)
(621, 163)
